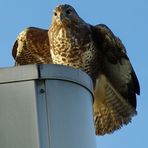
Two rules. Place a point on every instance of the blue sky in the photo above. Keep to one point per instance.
(128, 19)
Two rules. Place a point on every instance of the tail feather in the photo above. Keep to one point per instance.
(111, 110)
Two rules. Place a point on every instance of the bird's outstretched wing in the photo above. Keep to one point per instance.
(116, 85)
(32, 47)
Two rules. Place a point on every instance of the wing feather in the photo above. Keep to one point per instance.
(32, 47)
(116, 84)
(116, 64)
(111, 111)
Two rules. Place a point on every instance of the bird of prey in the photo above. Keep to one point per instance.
(93, 49)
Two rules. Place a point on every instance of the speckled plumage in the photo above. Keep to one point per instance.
(94, 49)
(32, 47)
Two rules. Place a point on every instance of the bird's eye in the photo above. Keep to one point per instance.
(55, 14)
(68, 11)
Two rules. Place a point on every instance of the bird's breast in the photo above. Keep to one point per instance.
(68, 48)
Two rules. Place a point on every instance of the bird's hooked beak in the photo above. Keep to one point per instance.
(62, 17)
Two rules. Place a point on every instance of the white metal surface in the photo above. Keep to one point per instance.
(70, 115)
(18, 115)
(46, 106)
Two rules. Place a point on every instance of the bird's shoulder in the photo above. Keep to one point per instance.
(33, 44)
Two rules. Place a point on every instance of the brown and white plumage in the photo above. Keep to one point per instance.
(94, 49)
(116, 86)
(32, 47)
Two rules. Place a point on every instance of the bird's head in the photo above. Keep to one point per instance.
(65, 15)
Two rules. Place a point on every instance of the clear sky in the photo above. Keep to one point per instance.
(128, 19)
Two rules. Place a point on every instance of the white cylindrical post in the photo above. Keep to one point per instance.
(69, 105)
(46, 106)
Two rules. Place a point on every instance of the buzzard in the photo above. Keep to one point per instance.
(94, 49)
